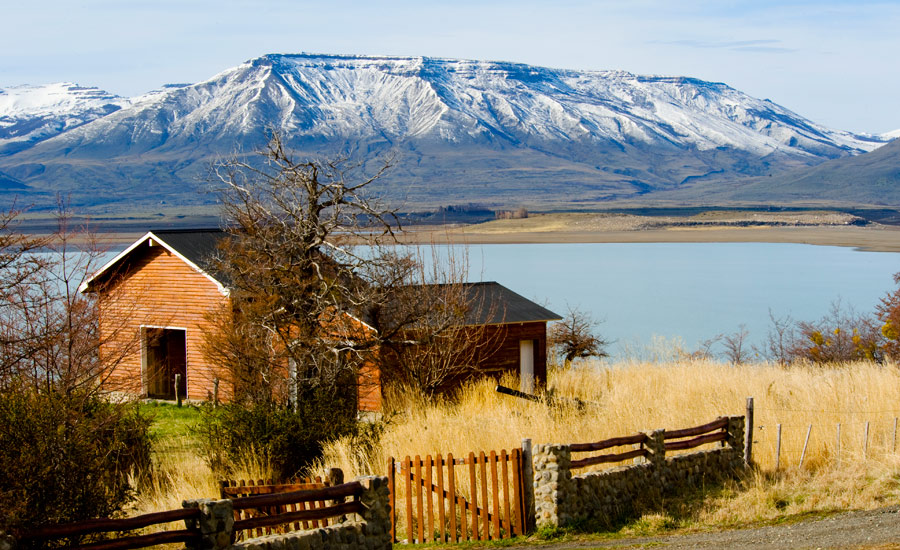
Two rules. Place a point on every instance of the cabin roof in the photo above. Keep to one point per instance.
(492, 303)
(197, 245)
(194, 246)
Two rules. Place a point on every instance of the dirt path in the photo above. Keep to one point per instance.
(874, 529)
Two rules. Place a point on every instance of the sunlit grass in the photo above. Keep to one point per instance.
(621, 399)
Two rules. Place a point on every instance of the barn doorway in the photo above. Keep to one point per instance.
(165, 355)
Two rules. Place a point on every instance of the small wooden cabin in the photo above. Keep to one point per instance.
(155, 298)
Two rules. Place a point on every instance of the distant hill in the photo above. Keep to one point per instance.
(495, 134)
(869, 179)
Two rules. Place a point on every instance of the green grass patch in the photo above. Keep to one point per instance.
(173, 428)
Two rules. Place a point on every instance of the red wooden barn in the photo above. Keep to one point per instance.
(155, 298)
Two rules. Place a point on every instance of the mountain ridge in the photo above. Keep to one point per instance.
(464, 131)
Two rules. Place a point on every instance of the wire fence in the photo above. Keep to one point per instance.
(786, 437)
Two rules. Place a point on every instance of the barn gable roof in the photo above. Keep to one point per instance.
(492, 303)
(195, 247)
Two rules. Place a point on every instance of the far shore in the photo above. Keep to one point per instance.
(825, 229)
(880, 239)
(572, 229)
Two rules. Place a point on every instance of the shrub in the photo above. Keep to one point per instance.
(284, 437)
(67, 456)
(840, 336)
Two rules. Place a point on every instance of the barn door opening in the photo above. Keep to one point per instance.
(165, 355)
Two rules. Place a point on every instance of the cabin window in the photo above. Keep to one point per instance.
(165, 356)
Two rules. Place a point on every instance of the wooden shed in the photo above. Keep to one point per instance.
(156, 296)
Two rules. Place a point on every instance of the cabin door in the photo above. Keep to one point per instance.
(165, 356)
(526, 366)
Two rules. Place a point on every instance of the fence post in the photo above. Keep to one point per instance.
(894, 441)
(216, 524)
(838, 444)
(392, 499)
(866, 443)
(748, 433)
(528, 484)
(377, 502)
(805, 445)
(216, 392)
(178, 395)
(778, 448)
(553, 485)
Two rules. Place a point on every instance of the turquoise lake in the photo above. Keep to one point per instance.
(689, 292)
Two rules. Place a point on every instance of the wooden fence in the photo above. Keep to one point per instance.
(284, 509)
(700, 435)
(78, 531)
(494, 478)
(287, 516)
(235, 489)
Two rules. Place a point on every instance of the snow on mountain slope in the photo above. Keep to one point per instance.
(324, 97)
(33, 113)
(462, 131)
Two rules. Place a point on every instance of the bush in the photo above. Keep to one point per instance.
(67, 456)
(840, 336)
(285, 438)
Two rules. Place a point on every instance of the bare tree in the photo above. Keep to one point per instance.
(59, 436)
(736, 349)
(780, 339)
(298, 282)
(49, 331)
(576, 337)
(435, 328)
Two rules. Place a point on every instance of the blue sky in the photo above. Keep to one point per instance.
(834, 62)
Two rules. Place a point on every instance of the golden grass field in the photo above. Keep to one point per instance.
(623, 398)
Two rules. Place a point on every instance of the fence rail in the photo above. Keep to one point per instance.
(696, 442)
(270, 509)
(310, 511)
(719, 424)
(105, 525)
(701, 432)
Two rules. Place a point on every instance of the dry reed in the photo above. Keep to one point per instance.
(625, 398)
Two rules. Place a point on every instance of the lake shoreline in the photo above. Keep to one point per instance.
(712, 227)
(870, 239)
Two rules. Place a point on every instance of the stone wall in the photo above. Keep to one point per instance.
(370, 530)
(608, 496)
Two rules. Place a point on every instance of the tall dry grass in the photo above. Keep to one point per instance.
(625, 398)
(622, 399)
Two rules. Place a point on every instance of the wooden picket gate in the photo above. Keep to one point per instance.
(235, 489)
(459, 517)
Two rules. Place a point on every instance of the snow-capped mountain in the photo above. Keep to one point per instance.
(29, 114)
(465, 130)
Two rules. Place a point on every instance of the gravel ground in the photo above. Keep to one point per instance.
(874, 529)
